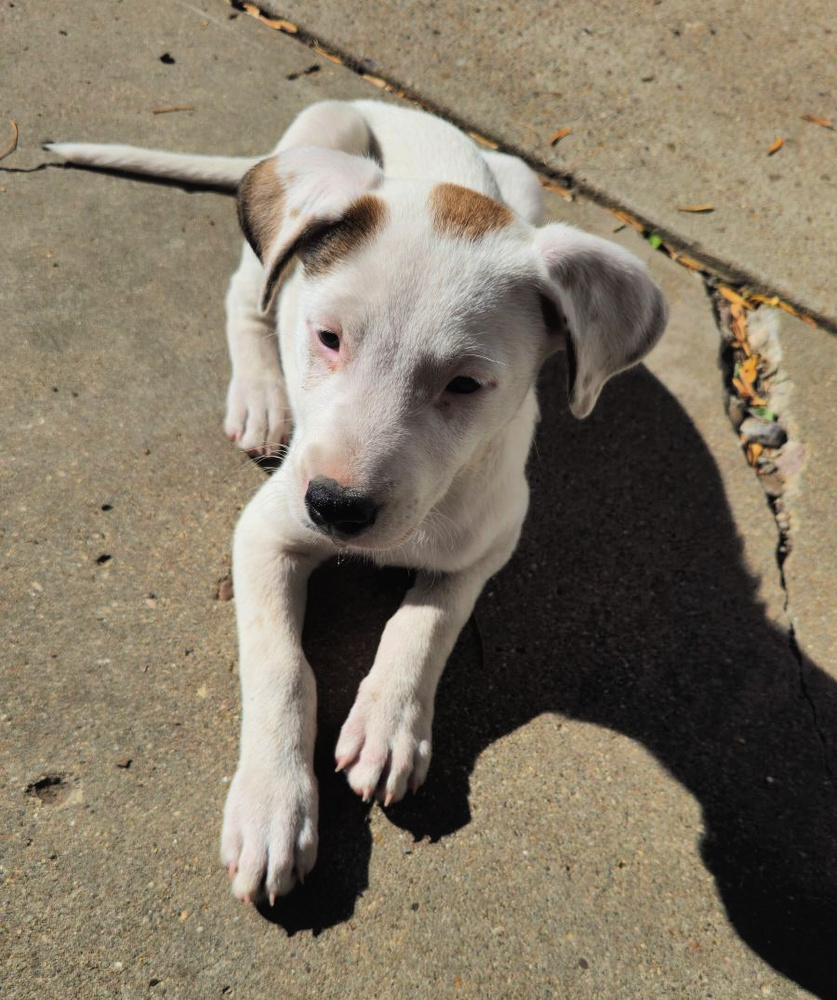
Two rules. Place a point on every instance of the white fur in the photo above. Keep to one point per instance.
(415, 308)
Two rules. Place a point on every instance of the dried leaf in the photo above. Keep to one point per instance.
(629, 220)
(562, 133)
(13, 144)
(817, 120)
(693, 265)
(732, 296)
(753, 452)
(787, 307)
(376, 81)
(739, 330)
(747, 392)
(748, 370)
(327, 55)
(280, 24)
(775, 146)
(696, 208)
(550, 186)
(272, 22)
(168, 108)
(481, 139)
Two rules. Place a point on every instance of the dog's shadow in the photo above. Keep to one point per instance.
(628, 605)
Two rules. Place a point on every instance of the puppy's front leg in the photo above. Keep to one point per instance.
(269, 837)
(258, 417)
(384, 745)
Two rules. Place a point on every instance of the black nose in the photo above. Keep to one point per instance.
(338, 510)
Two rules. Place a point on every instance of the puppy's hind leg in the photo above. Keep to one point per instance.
(518, 185)
(331, 125)
(258, 416)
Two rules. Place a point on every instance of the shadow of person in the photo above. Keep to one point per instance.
(627, 605)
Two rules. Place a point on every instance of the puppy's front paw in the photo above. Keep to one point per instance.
(384, 745)
(258, 416)
(269, 839)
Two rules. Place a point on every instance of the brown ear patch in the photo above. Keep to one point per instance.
(322, 245)
(459, 211)
(261, 199)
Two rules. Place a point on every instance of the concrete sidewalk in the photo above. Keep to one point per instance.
(632, 793)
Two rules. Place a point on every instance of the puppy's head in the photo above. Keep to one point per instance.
(423, 312)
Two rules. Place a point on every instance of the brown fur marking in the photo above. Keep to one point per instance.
(459, 211)
(261, 199)
(325, 245)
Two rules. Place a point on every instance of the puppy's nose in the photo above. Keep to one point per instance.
(337, 510)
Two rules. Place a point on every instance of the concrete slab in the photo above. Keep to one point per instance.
(810, 363)
(629, 796)
(669, 106)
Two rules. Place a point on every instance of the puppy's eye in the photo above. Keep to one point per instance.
(462, 385)
(329, 339)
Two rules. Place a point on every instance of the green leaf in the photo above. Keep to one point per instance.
(764, 412)
(655, 241)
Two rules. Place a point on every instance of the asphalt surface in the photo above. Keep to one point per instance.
(632, 793)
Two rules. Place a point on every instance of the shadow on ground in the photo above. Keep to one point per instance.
(626, 605)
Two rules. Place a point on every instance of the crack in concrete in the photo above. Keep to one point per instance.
(733, 326)
(29, 170)
(803, 686)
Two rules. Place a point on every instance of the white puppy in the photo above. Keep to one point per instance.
(410, 333)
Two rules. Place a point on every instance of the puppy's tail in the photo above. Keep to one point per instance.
(214, 171)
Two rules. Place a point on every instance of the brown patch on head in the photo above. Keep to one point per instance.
(459, 211)
(261, 198)
(324, 244)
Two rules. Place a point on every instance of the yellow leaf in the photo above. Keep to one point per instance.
(775, 146)
(376, 81)
(817, 120)
(746, 392)
(327, 55)
(629, 220)
(732, 296)
(693, 265)
(481, 139)
(550, 186)
(562, 133)
(748, 370)
(753, 452)
(696, 208)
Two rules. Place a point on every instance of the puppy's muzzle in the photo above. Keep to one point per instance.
(337, 510)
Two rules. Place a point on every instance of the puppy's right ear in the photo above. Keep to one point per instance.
(291, 202)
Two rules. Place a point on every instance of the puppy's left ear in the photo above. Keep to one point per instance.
(614, 311)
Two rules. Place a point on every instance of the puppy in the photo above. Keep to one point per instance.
(422, 303)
